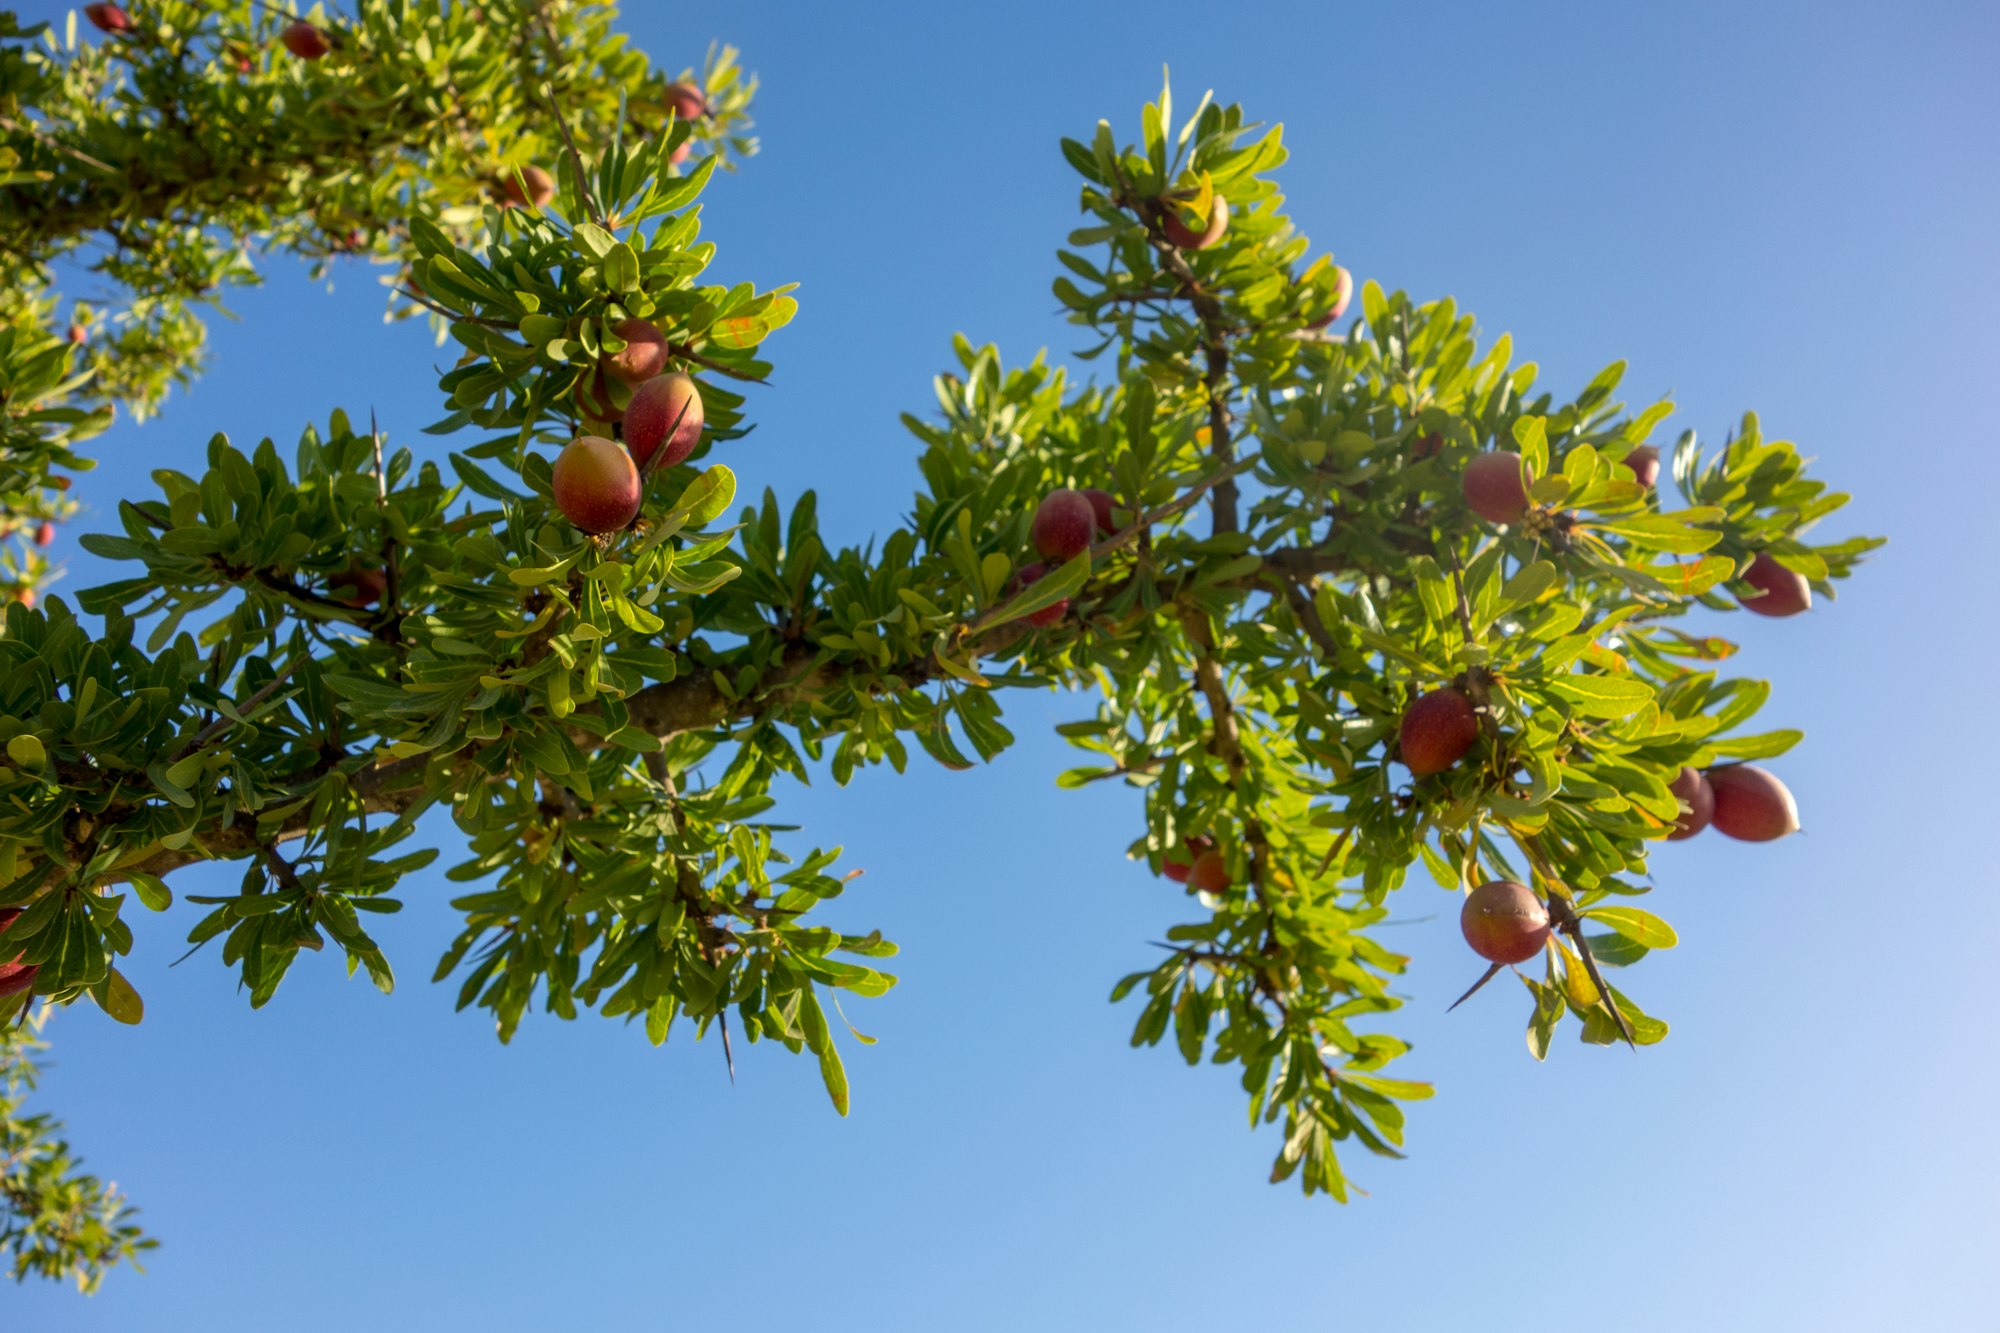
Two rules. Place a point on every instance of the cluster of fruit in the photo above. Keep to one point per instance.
(598, 482)
(304, 40)
(1065, 524)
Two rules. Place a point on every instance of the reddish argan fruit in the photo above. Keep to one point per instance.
(1436, 731)
(1049, 614)
(304, 40)
(45, 535)
(598, 398)
(666, 414)
(359, 585)
(530, 186)
(76, 335)
(1496, 486)
(1504, 922)
(1064, 523)
(644, 354)
(1209, 873)
(1101, 504)
(1645, 464)
(686, 101)
(1185, 237)
(60, 483)
(596, 484)
(15, 977)
(1751, 804)
(1697, 800)
(1426, 445)
(1343, 293)
(1176, 865)
(26, 597)
(1781, 591)
(108, 18)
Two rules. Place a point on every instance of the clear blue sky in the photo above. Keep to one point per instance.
(1792, 210)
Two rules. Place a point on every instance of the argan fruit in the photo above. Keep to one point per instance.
(25, 597)
(45, 535)
(1427, 445)
(1064, 523)
(1437, 730)
(16, 977)
(665, 415)
(1102, 505)
(1751, 804)
(530, 186)
(644, 354)
(686, 101)
(1185, 237)
(1048, 615)
(1645, 464)
(305, 41)
(1209, 873)
(108, 18)
(76, 334)
(596, 484)
(1504, 922)
(1782, 592)
(1176, 865)
(1343, 294)
(598, 397)
(1697, 798)
(1496, 486)
(359, 585)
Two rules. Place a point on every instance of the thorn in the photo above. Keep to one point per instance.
(1574, 929)
(728, 1054)
(1491, 973)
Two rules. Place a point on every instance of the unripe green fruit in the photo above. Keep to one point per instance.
(1436, 731)
(665, 415)
(1063, 526)
(1697, 799)
(596, 484)
(1504, 922)
(1782, 592)
(1209, 873)
(1048, 615)
(1645, 464)
(15, 977)
(1185, 237)
(531, 185)
(644, 354)
(1496, 487)
(1751, 804)
(305, 41)
(1176, 865)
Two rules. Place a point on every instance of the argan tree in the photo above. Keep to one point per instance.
(1350, 592)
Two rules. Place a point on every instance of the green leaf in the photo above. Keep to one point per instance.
(152, 890)
(1602, 696)
(116, 997)
(707, 495)
(1765, 745)
(28, 752)
(1639, 926)
(621, 268)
